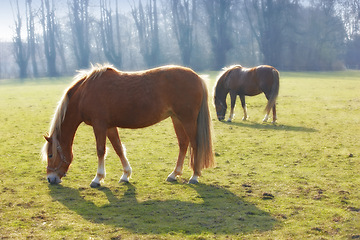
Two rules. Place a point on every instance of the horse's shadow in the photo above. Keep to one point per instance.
(271, 126)
(216, 210)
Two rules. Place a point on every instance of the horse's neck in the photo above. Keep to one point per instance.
(68, 129)
(224, 87)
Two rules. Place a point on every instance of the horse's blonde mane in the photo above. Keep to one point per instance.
(226, 69)
(95, 71)
(60, 112)
(55, 125)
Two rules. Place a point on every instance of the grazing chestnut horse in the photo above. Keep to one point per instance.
(106, 98)
(241, 81)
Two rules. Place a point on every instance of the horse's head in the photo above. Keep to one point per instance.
(220, 107)
(58, 162)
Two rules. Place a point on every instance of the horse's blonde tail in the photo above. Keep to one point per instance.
(204, 157)
(274, 91)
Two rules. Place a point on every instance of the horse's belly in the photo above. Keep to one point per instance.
(136, 123)
(253, 92)
(139, 120)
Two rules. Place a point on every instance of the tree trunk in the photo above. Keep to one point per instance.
(48, 24)
(148, 32)
(79, 23)
(20, 51)
(219, 14)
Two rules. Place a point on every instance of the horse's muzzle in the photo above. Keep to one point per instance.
(53, 178)
(221, 118)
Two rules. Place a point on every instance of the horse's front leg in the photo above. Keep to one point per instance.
(100, 135)
(243, 104)
(183, 141)
(120, 150)
(233, 100)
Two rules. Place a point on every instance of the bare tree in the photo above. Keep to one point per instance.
(110, 33)
(267, 19)
(148, 30)
(350, 13)
(184, 17)
(79, 23)
(218, 27)
(48, 25)
(20, 47)
(59, 44)
(31, 37)
(328, 31)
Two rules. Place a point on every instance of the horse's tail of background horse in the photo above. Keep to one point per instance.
(204, 155)
(274, 91)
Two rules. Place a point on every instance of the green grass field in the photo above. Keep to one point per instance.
(298, 179)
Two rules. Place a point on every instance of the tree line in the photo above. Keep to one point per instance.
(53, 38)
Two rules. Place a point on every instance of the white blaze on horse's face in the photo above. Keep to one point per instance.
(57, 164)
(52, 176)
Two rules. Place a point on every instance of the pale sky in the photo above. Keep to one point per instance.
(6, 21)
(7, 24)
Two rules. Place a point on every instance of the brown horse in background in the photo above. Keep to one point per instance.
(241, 81)
(106, 98)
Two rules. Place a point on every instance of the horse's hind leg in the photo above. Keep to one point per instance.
(266, 117)
(190, 128)
(274, 114)
(113, 136)
(183, 141)
(268, 112)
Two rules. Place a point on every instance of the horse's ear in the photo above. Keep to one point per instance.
(48, 138)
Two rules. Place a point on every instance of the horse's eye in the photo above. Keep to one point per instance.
(50, 155)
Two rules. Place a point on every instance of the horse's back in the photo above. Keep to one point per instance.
(264, 71)
(140, 99)
(252, 81)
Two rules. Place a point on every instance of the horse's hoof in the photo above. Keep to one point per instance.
(124, 181)
(229, 120)
(170, 179)
(193, 181)
(95, 185)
